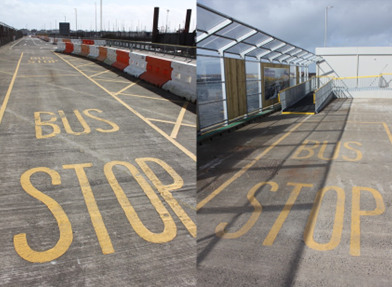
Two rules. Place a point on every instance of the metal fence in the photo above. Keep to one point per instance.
(365, 83)
(8, 34)
(167, 49)
(323, 95)
(292, 95)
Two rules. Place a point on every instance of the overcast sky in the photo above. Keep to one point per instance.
(128, 13)
(301, 22)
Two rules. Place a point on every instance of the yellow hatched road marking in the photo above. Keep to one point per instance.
(170, 122)
(114, 81)
(127, 87)
(6, 73)
(86, 64)
(7, 96)
(147, 97)
(175, 143)
(101, 73)
(40, 76)
(180, 117)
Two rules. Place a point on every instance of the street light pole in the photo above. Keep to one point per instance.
(76, 20)
(95, 16)
(167, 17)
(326, 24)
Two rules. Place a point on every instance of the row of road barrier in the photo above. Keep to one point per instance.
(176, 77)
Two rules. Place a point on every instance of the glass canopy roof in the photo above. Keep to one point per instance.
(220, 33)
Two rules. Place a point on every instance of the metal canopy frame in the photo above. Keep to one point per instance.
(220, 33)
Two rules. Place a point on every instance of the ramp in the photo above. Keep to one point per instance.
(304, 106)
(307, 98)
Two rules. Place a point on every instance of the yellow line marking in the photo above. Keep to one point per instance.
(114, 81)
(170, 122)
(40, 76)
(101, 73)
(7, 61)
(180, 117)
(126, 88)
(147, 97)
(6, 73)
(245, 168)
(297, 113)
(388, 132)
(86, 64)
(7, 96)
(175, 143)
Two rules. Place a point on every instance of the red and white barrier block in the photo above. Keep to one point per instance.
(137, 64)
(183, 82)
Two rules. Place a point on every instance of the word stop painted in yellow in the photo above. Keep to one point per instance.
(66, 235)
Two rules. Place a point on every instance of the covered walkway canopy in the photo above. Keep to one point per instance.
(241, 69)
(220, 33)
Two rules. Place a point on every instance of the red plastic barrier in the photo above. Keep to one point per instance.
(69, 47)
(122, 60)
(158, 71)
(88, 42)
(67, 40)
(85, 50)
(103, 54)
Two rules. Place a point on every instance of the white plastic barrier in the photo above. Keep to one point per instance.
(76, 41)
(112, 56)
(94, 52)
(77, 49)
(100, 42)
(183, 82)
(60, 47)
(137, 64)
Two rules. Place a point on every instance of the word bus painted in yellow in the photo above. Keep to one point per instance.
(309, 148)
(55, 129)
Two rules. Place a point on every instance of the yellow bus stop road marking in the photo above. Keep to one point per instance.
(174, 142)
(7, 96)
(248, 166)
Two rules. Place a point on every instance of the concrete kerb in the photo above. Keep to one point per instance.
(222, 130)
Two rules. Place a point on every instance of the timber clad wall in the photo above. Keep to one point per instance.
(235, 87)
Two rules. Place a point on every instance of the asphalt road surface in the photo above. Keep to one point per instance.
(97, 175)
(294, 200)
